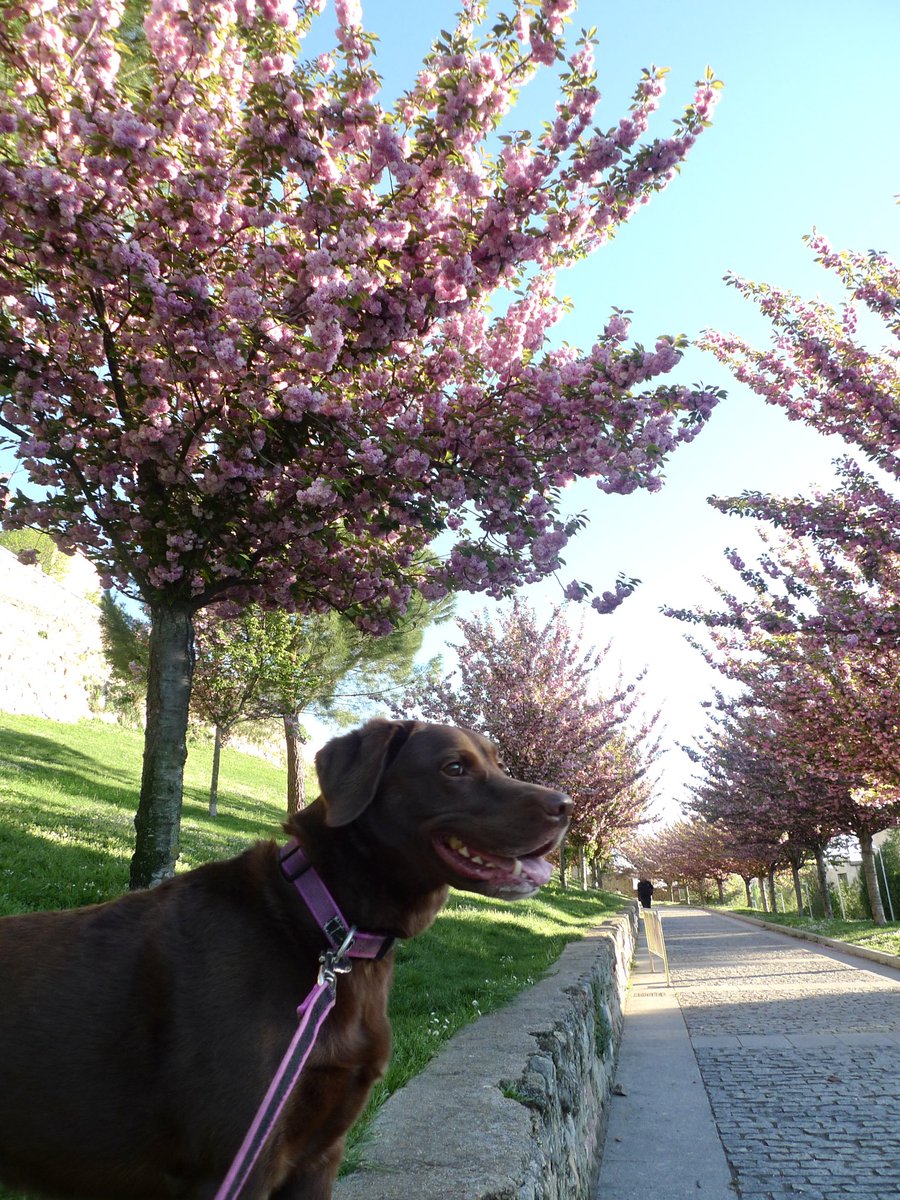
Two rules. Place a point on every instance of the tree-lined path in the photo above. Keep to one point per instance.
(795, 1054)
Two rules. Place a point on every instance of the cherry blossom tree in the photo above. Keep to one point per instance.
(814, 646)
(835, 730)
(557, 715)
(823, 702)
(766, 810)
(822, 370)
(704, 846)
(840, 575)
(819, 370)
(267, 338)
(812, 640)
(814, 637)
(686, 851)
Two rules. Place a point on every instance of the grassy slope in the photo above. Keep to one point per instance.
(68, 795)
(67, 799)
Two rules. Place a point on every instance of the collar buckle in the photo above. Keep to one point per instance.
(336, 932)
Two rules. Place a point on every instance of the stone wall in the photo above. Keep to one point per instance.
(515, 1106)
(51, 657)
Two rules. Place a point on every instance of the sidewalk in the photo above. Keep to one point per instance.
(771, 1070)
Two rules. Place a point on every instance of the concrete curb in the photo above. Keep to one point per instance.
(514, 1107)
(879, 956)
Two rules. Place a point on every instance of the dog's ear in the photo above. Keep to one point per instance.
(350, 767)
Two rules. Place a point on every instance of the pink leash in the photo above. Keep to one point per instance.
(344, 942)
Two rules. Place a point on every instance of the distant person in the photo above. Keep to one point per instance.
(645, 892)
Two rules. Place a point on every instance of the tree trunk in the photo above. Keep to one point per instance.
(721, 885)
(868, 864)
(795, 873)
(823, 882)
(584, 869)
(562, 864)
(762, 893)
(773, 902)
(158, 820)
(296, 774)
(746, 879)
(214, 782)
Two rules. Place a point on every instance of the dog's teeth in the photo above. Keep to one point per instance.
(517, 867)
(455, 844)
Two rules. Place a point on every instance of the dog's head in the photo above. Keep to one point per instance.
(437, 803)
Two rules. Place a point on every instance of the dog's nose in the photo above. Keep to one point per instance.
(557, 804)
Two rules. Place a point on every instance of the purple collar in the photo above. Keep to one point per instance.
(296, 867)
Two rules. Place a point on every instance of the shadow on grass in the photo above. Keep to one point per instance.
(67, 820)
(48, 870)
(77, 775)
(33, 753)
(17, 748)
(66, 770)
(229, 822)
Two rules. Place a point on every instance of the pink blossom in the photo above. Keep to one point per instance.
(348, 13)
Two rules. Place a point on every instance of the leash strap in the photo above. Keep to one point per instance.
(345, 943)
(312, 1012)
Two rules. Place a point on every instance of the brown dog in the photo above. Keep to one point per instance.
(138, 1037)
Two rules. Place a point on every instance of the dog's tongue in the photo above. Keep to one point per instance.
(536, 869)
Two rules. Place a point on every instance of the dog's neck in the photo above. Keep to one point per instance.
(373, 893)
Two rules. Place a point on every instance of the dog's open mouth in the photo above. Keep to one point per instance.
(498, 874)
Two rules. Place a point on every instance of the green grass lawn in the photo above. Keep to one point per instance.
(68, 795)
(860, 933)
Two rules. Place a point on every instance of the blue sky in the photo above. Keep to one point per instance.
(805, 135)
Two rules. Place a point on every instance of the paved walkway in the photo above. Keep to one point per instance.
(770, 1071)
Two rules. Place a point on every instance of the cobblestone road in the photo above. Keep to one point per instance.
(799, 1050)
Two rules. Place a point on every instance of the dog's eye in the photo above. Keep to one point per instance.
(454, 768)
